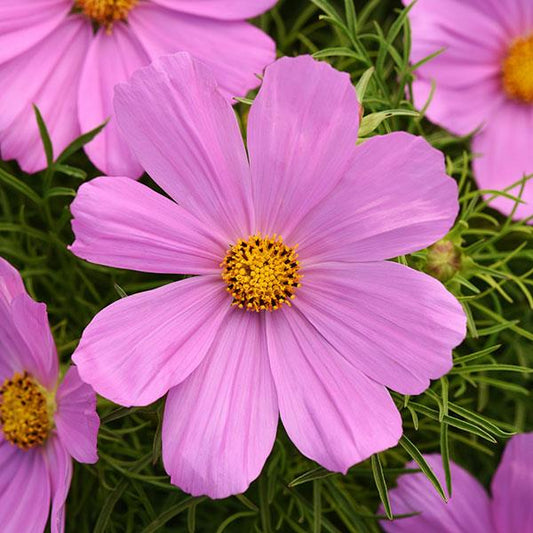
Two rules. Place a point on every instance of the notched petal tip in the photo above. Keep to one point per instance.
(164, 67)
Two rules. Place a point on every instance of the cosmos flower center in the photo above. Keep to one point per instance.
(26, 412)
(106, 12)
(518, 70)
(262, 273)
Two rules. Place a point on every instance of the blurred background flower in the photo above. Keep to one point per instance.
(66, 57)
(469, 508)
(43, 423)
(482, 83)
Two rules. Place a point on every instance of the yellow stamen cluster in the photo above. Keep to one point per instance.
(26, 415)
(106, 12)
(517, 70)
(261, 273)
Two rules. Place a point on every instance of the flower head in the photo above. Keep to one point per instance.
(292, 310)
(483, 80)
(469, 509)
(66, 56)
(43, 424)
(261, 273)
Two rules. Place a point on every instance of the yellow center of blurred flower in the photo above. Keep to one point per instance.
(106, 12)
(261, 273)
(518, 70)
(26, 411)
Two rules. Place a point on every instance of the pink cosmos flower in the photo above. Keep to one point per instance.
(292, 309)
(42, 425)
(469, 509)
(66, 56)
(483, 78)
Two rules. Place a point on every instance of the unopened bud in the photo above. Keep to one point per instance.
(443, 260)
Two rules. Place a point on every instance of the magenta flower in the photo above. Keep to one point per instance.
(292, 310)
(484, 78)
(469, 509)
(50, 56)
(42, 425)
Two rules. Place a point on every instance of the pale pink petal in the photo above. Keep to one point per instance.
(25, 489)
(236, 52)
(504, 148)
(458, 110)
(302, 131)
(12, 344)
(332, 412)
(471, 35)
(467, 511)
(139, 347)
(220, 423)
(467, 73)
(39, 357)
(46, 75)
(11, 284)
(76, 418)
(469, 92)
(512, 487)
(186, 136)
(395, 324)
(121, 223)
(220, 9)
(111, 59)
(23, 23)
(59, 465)
(514, 16)
(26, 343)
(395, 199)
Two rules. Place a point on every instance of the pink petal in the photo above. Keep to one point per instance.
(121, 223)
(396, 325)
(12, 346)
(220, 9)
(470, 34)
(39, 355)
(76, 418)
(23, 23)
(512, 486)
(46, 75)
(220, 423)
(468, 510)
(332, 412)
(467, 73)
(186, 136)
(60, 470)
(302, 131)
(11, 284)
(26, 343)
(514, 16)
(139, 347)
(25, 489)
(504, 148)
(236, 52)
(111, 59)
(459, 110)
(396, 199)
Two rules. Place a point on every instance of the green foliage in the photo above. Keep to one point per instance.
(466, 416)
